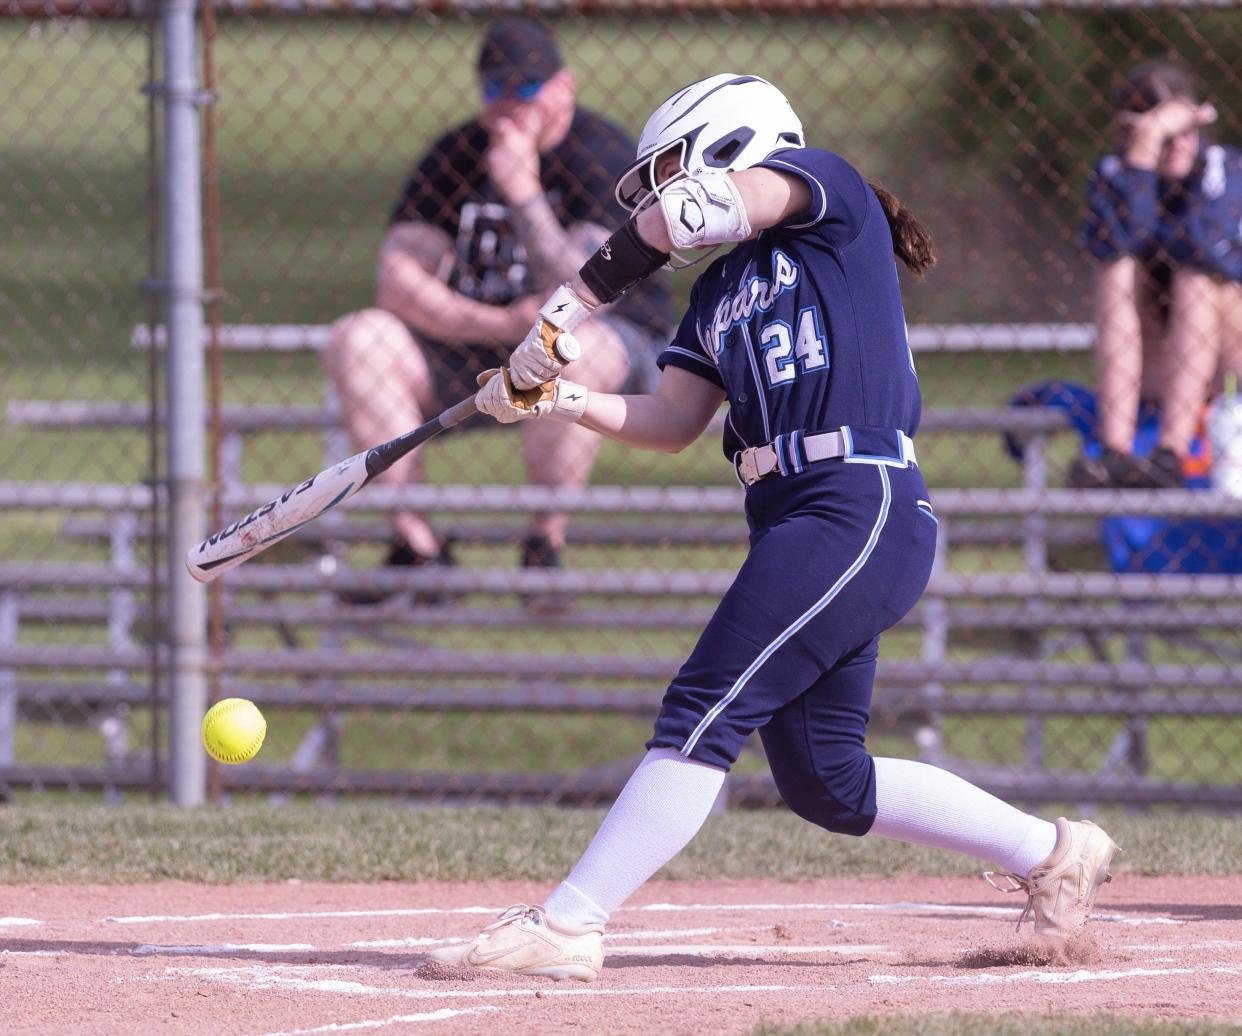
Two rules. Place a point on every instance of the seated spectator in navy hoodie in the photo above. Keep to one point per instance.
(1165, 220)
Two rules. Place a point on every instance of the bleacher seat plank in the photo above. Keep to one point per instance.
(890, 696)
(398, 612)
(682, 533)
(1060, 337)
(79, 413)
(1022, 586)
(247, 337)
(442, 663)
(699, 501)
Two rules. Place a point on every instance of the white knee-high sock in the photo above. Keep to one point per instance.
(930, 806)
(661, 807)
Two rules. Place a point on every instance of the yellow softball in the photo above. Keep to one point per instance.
(233, 730)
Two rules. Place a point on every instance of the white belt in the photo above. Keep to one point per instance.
(787, 454)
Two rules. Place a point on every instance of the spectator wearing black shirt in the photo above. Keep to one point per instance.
(497, 213)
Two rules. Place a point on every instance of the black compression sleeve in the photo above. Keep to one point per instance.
(621, 262)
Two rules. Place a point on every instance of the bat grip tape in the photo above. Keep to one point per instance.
(457, 413)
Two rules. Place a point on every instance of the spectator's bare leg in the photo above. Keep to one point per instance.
(1194, 350)
(1230, 299)
(384, 386)
(563, 455)
(1119, 350)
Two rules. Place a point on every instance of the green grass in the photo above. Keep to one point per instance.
(363, 841)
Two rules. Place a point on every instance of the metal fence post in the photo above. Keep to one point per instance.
(9, 614)
(183, 265)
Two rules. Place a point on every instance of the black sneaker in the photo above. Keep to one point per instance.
(1103, 472)
(538, 552)
(402, 555)
(1161, 470)
(1113, 470)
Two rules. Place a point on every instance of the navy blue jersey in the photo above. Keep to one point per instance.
(803, 327)
(1195, 222)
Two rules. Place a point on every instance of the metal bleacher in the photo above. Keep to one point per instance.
(321, 664)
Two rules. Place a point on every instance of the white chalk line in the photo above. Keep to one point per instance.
(1048, 977)
(753, 949)
(298, 915)
(411, 942)
(284, 977)
(653, 949)
(1168, 947)
(17, 922)
(934, 908)
(1126, 919)
(227, 947)
(379, 1023)
(495, 911)
(408, 943)
(897, 907)
(699, 949)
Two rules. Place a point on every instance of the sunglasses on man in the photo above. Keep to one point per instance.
(495, 89)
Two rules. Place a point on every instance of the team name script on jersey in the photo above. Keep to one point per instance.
(757, 295)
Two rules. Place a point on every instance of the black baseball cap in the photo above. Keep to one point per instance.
(518, 51)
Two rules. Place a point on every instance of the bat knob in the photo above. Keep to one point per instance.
(567, 347)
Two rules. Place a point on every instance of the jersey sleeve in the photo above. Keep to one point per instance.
(1123, 211)
(1214, 222)
(838, 192)
(687, 349)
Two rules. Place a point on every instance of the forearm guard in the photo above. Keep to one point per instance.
(621, 262)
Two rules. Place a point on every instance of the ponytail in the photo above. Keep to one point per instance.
(912, 244)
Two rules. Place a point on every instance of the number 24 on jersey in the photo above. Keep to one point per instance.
(788, 352)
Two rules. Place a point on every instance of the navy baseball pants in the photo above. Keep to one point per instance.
(838, 554)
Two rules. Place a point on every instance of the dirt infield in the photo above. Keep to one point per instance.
(684, 957)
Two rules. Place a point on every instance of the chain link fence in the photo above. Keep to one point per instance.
(1076, 645)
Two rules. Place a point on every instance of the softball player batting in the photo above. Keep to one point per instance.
(800, 327)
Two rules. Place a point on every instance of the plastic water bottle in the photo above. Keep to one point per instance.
(1224, 429)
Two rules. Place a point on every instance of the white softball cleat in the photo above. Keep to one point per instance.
(525, 941)
(1061, 890)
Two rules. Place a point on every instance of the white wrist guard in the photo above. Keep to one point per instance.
(565, 309)
(703, 210)
(569, 401)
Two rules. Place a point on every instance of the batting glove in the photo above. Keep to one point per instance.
(559, 399)
(549, 345)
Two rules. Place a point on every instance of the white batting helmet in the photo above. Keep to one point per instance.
(727, 121)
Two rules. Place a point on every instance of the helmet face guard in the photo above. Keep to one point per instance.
(726, 121)
(637, 187)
